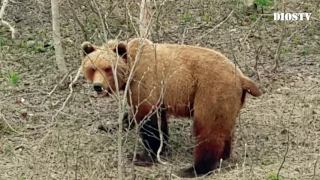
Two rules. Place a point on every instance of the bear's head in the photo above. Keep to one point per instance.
(105, 66)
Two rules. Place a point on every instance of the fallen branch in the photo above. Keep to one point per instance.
(7, 123)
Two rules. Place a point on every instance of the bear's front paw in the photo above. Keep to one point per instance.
(143, 159)
(186, 173)
(189, 173)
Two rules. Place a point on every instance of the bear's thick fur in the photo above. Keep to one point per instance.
(179, 80)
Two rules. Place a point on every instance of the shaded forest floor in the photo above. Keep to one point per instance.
(280, 130)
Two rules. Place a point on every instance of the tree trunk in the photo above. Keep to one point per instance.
(144, 18)
(57, 37)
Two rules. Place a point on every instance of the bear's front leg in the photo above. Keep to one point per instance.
(150, 135)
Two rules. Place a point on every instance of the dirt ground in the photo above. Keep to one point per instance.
(277, 134)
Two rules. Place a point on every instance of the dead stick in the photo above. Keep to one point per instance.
(70, 94)
(10, 127)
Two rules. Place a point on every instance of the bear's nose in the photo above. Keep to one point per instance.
(97, 87)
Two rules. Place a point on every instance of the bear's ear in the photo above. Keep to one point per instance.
(87, 48)
(119, 47)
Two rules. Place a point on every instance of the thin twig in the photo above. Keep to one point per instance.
(70, 94)
(8, 124)
(185, 31)
(278, 51)
(102, 22)
(288, 139)
(131, 20)
(233, 54)
(215, 27)
(163, 89)
(111, 9)
(259, 51)
(315, 167)
(54, 88)
(158, 27)
(315, 18)
(92, 8)
(298, 31)
(285, 154)
(185, 24)
(77, 161)
(252, 26)
(78, 21)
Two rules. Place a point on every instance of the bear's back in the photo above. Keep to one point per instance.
(181, 69)
(199, 62)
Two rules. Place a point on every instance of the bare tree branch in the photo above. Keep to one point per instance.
(102, 22)
(78, 21)
(215, 27)
(283, 33)
(3, 22)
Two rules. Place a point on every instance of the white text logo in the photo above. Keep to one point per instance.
(291, 16)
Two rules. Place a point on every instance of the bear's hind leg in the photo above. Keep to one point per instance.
(150, 135)
(210, 148)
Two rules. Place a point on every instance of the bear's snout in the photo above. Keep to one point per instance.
(98, 87)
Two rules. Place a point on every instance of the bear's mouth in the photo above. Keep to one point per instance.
(104, 93)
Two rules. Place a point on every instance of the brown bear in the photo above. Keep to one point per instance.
(178, 80)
